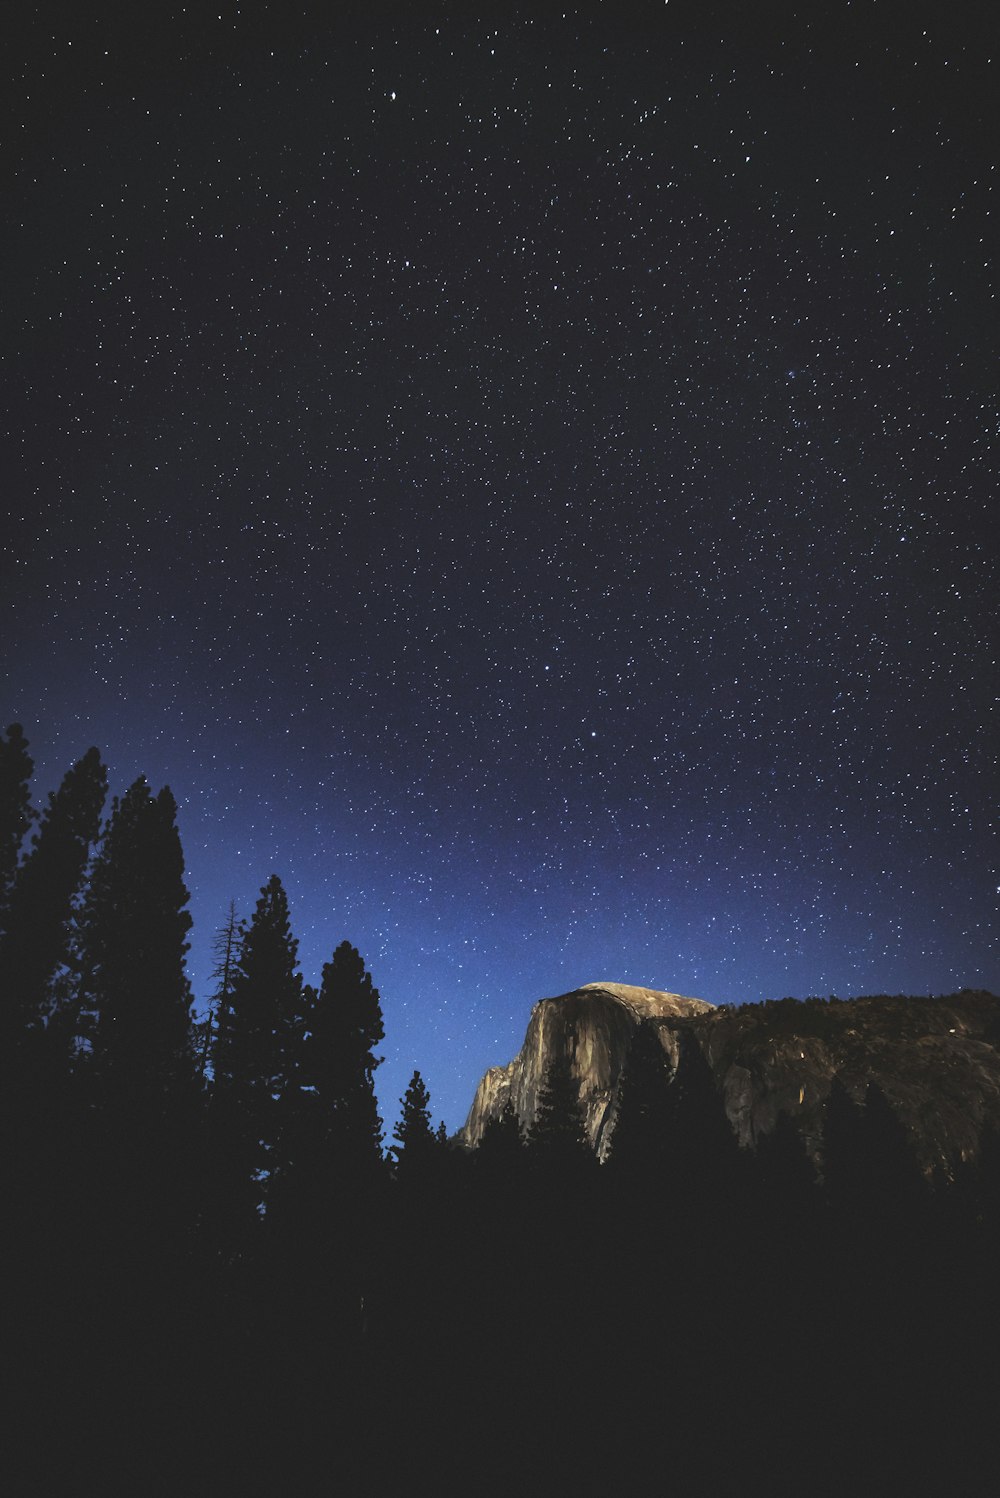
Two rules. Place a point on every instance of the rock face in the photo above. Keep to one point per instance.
(936, 1059)
(591, 1025)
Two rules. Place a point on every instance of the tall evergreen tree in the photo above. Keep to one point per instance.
(558, 1133)
(643, 1114)
(345, 1026)
(42, 1138)
(416, 1146)
(500, 1157)
(898, 1185)
(226, 951)
(325, 1216)
(259, 1035)
(703, 1171)
(16, 766)
(501, 1140)
(844, 1166)
(41, 899)
(785, 1177)
(137, 1068)
(134, 990)
(869, 1167)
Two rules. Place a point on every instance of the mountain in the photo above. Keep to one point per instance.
(936, 1059)
(592, 1025)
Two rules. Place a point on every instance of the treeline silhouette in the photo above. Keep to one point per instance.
(219, 1277)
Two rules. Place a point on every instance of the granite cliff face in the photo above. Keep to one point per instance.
(936, 1059)
(591, 1025)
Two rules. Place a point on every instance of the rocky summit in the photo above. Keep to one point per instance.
(591, 1026)
(937, 1059)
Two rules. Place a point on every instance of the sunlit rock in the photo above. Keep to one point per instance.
(592, 1025)
(936, 1059)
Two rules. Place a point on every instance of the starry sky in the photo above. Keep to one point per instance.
(524, 476)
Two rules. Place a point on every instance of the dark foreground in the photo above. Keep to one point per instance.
(535, 1336)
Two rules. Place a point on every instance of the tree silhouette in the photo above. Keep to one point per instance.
(643, 1114)
(339, 1062)
(16, 766)
(258, 1043)
(326, 1210)
(558, 1133)
(44, 1138)
(330, 1154)
(416, 1147)
(501, 1140)
(226, 951)
(41, 899)
(136, 1084)
(786, 1178)
(702, 1169)
(844, 1166)
(134, 992)
(899, 1185)
(869, 1166)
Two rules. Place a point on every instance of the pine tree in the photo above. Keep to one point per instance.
(703, 1172)
(345, 1026)
(558, 1133)
(501, 1155)
(786, 1179)
(41, 899)
(226, 951)
(325, 1215)
(501, 1138)
(869, 1167)
(844, 1165)
(643, 1114)
(137, 1068)
(16, 766)
(416, 1146)
(258, 1043)
(134, 990)
(42, 1123)
(898, 1184)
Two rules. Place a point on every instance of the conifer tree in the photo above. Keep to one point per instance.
(16, 766)
(134, 991)
(259, 1034)
(41, 899)
(345, 1026)
(226, 951)
(137, 1067)
(644, 1106)
(326, 1210)
(501, 1139)
(786, 1179)
(501, 1155)
(558, 1132)
(898, 1186)
(416, 1146)
(844, 1166)
(869, 1167)
(703, 1170)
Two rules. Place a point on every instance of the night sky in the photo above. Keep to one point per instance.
(525, 478)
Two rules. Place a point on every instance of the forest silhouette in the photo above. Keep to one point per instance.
(218, 1275)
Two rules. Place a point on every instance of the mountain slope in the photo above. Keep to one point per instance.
(591, 1025)
(936, 1059)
